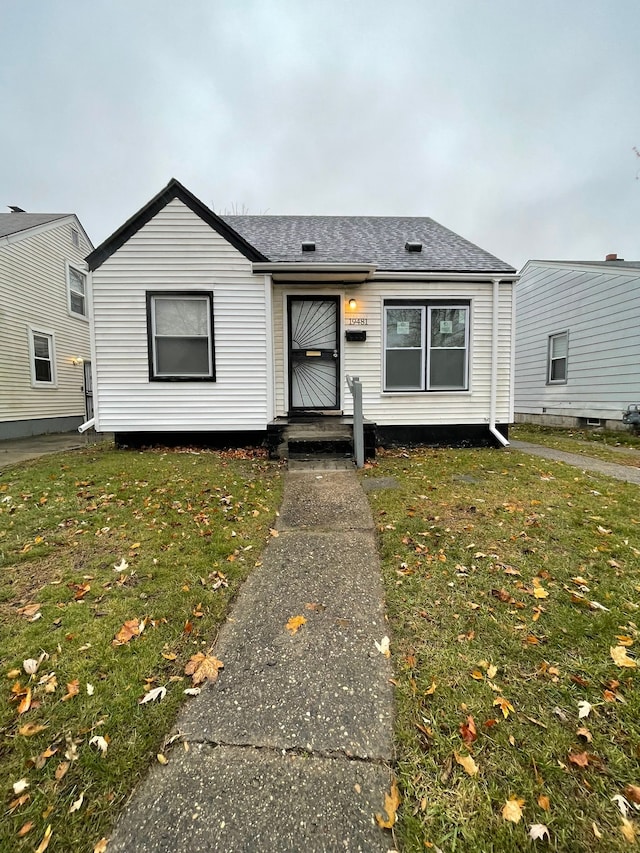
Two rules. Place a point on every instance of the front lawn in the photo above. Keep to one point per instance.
(117, 568)
(513, 591)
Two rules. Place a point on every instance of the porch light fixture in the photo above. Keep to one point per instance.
(353, 304)
(76, 360)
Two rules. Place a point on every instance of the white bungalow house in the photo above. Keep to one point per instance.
(205, 325)
(44, 320)
(577, 343)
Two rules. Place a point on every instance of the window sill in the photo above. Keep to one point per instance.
(78, 316)
(425, 393)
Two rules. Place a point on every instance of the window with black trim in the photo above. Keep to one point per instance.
(426, 347)
(42, 351)
(77, 285)
(557, 359)
(180, 332)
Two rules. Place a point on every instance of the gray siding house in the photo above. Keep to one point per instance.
(211, 325)
(577, 342)
(44, 324)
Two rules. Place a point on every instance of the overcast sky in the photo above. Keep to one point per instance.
(511, 122)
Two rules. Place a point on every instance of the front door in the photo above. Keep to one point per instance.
(88, 390)
(313, 353)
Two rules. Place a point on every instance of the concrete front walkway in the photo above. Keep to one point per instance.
(586, 463)
(15, 450)
(290, 750)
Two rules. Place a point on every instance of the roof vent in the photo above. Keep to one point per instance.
(613, 257)
(412, 246)
(14, 209)
(308, 246)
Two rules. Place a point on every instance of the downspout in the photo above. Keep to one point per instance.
(494, 365)
(87, 425)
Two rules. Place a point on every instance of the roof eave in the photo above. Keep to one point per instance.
(290, 271)
(173, 190)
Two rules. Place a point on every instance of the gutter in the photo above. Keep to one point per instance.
(494, 366)
(87, 425)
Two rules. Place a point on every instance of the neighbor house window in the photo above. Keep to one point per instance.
(558, 350)
(77, 284)
(180, 327)
(42, 352)
(426, 347)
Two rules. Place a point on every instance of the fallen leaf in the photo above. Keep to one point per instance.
(512, 809)
(295, 623)
(30, 729)
(25, 704)
(431, 690)
(622, 803)
(192, 691)
(273, 532)
(30, 611)
(203, 667)
(628, 830)
(122, 566)
(391, 803)
(584, 709)
(75, 805)
(19, 801)
(504, 705)
(468, 731)
(539, 592)
(537, 832)
(162, 759)
(543, 802)
(73, 688)
(157, 693)
(27, 827)
(467, 763)
(100, 742)
(585, 733)
(61, 770)
(632, 793)
(596, 831)
(20, 786)
(90, 689)
(621, 658)
(580, 759)
(492, 671)
(383, 646)
(130, 629)
(477, 675)
(101, 846)
(46, 838)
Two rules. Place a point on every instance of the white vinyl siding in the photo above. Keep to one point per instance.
(176, 251)
(34, 293)
(366, 359)
(600, 309)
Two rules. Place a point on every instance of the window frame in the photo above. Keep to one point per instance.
(151, 297)
(51, 339)
(76, 268)
(422, 309)
(427, 305)
(551, 359)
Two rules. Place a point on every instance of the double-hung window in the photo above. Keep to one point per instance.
(557, 360)
(426, 347)
(180, 331)
(77, 286)
(43, 359)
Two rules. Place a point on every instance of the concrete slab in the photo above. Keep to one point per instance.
(328, 500)
(233, 799)
(326, 688)
(586, 463)
(16, 450)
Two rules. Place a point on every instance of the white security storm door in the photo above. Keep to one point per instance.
(313, 353)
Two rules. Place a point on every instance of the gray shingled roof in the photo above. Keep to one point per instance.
(12, 223)
(376, 240)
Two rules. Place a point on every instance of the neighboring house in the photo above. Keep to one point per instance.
(234, 324)
(44, 324)
(577, 342)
